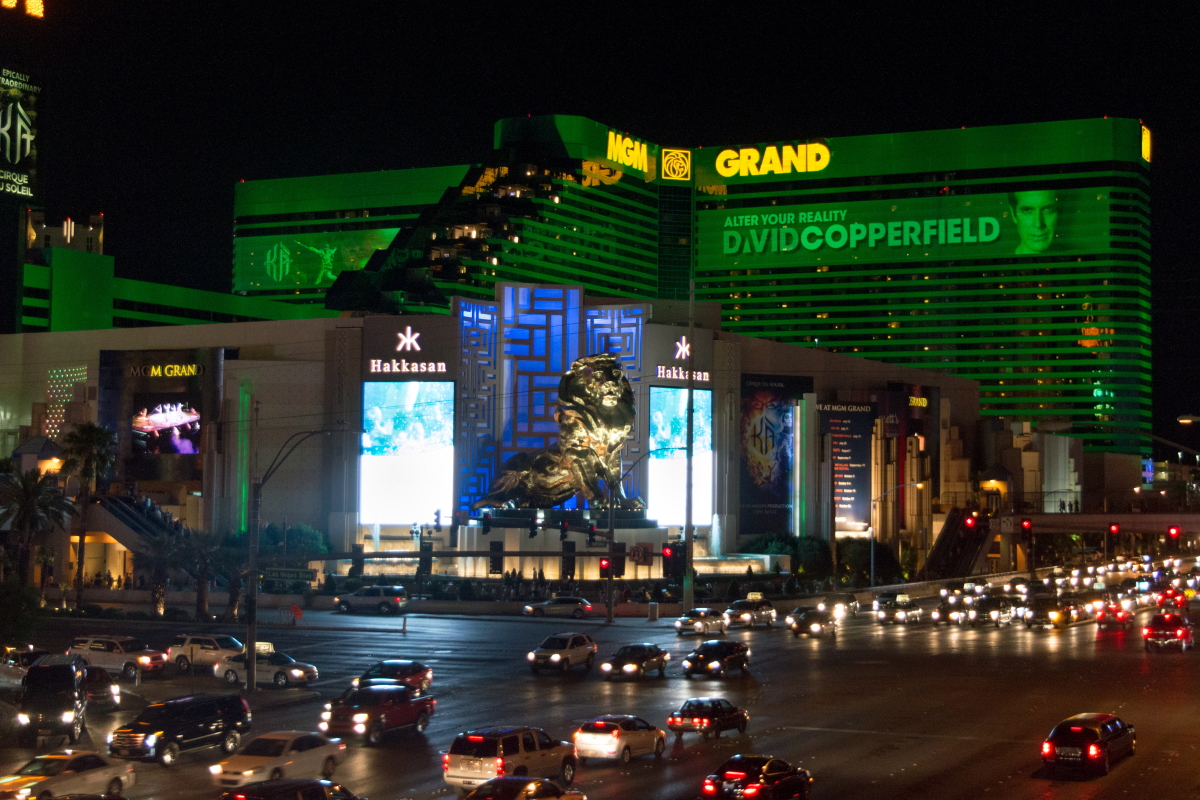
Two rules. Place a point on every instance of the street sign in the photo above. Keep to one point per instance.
(276, 574)
(635, 554)
(642, 554)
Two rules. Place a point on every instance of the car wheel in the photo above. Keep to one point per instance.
(1104, 765)
(231, 677)
(577, 613)
(539, 612)
(281, 680)
(662, 671)
(422, 722)
(183, 663)
(229, 744)
(375, 734)
(716, 733)
(770, 622)
(169, 754)
(328, 768)
(344, 608)
(678, 735)
(568, 772)
(742, 726)
(661, 744)
(591, 659)
(385, 608)
(75, 732)
(276, 774)
(114, 788)
(45, 796)
(626, 756)
(129, 671)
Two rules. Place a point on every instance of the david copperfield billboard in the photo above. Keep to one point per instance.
(767, 456)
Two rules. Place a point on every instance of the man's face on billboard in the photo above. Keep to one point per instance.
(1036, 216)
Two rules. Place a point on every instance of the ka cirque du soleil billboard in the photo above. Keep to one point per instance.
(767, 457)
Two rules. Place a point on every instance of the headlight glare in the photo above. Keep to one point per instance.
(360, 717)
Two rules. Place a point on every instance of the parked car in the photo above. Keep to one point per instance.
(759, 777)
(204, 651)
(707, 716)
(282, 754)
(165, 729)
(750, 612)
(635, 660)
(1092, 741)
(574, 607)
(69, 772)
(103, 693)
(563, 651)
(702, 621)
(717, 657)
(53, 701)
(476, 757)
(522, 788)
(275, 668)
(410, 673)
(1168, 630)
(622, 737)
(123, 655)
(372, 711)
(384, 599)
(292, 789)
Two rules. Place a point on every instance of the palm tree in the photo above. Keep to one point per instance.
(88, 451)
(32, 504)
(202, 552)
(233, 559)
(161, 556)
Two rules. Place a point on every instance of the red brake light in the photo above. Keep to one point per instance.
(709, 786)
(499, 767)
(475, 738)
(588, 606)
(1146, 632)
(616, 733)
(751, 790)
(1093, 751)
(445, 762)
(734, 776)
(1179, 633)
(1076, 729)
(706, 722)
(1047, 749)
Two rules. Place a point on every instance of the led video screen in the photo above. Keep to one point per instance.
(303, 260)
(668, 456)
(166, 423)
(406, 467)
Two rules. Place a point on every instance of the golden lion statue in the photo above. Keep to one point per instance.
(595, 415)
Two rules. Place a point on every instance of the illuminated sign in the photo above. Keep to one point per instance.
(408, 340)
(34, 8)
(164, 371)
(667, 465)
(379, 365)
(627, 152)
(1145, 144)
(683, 349)
(679, 374)
(677, 165)
(773, 160)
(920, 402)
(18, 134)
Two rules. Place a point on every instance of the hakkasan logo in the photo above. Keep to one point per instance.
(676, 165)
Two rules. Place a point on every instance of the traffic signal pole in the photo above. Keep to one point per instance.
(612, 535)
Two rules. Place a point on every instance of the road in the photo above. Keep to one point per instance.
(880, 712)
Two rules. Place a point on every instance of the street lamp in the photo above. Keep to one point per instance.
(871, 529)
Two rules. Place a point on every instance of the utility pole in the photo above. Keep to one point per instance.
(612, 535)
(688, 523)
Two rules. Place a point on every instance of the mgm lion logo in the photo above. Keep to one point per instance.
(677, 164)
(595, 416)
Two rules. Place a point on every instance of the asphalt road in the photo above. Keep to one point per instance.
(878, 712)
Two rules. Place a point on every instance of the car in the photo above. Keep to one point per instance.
(618, 736)
(759, 777)
(292, 789)
(991, 610)
(372, 711)
(477, 756)
(702, 621)
(14, 661)
(707, 716)
(574, 607)
(812, 622)
(1168, 630)
(1173, 597)
(521, 788)
(53, 701)
(282, 754)
(1092, 741)
(950, 610)
(1118, 613)
(563, 651)
(384, 599)
(883, 598)
(635, 660)
(69, 772)
(162, 730)
(202, 650)
(275, 668)
(750, 612)
(717, 657)
(410, 673)
(842, 604)
(123, 655)
(103, 693)
(1047, 612)
(903, 611)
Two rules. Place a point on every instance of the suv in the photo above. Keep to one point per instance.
(53, 702)
(119, 654)
(189, 649)
(563, 651)
(384, 599)
(292, 789)
(478, 756)
(372, 711)
(162, 730)
(749, 612)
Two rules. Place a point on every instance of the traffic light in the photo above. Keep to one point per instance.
(605, 566)
(454, 530)
(672, 563)
(568, 561)
(563, 528)
(533, 530)
(1027, 525)
(618, 565)
(1173, 532)
(969, 523)
(357, 562)
(1114, 529)
(487, 524)
(591, 535)
(425, 563)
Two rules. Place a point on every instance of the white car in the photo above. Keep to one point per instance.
(120, 655)
(69, 772)
(283, 754)
(563, 651)
(621, 737)
(203, 651)
(14, 663)
(277, 668)
(702, 621)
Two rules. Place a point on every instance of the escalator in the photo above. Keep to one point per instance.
(964, 540)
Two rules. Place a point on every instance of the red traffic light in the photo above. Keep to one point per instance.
(604, 562)
(668, 552)
(1173, 531)
(969, 522)
(1026, 524)
(1114, 529)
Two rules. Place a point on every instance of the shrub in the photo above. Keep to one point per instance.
(137, 615)
(175, 615)
(112, 613)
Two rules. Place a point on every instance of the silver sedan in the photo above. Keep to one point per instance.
(702, 621)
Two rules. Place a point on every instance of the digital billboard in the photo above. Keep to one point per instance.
(668, 456)
(166, 424)
(19, 97)
(767, 452)
(407, 462)
(302, 260)
(849, 427)
(1028, 221)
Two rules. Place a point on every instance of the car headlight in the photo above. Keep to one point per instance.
(789, 620)
(326, 715)
(356, 681)
(699, 627)
(68, 716)
(22, 719)
(936, 614)
(360, 728)
(109, 738)
(531, 656)
(143, 659)
(252, 771)
(687, 664)
(972, 614)
(994, 614)
(322, 726)
(215, 769)
(746, 617)
(115, 689)
(630, 668)
(606, 667)
(678, 625)
(151, 740)
(556, 657)
(1053, 615)
(360, 717)
(528, 609)
(815, 627)
(726, 617)
(882, 615)
(297, 673)
(337, 600)
(714, 665)
(901, 615)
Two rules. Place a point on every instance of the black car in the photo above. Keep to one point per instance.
(812, 622)
(1047, 612)
(291, 789)
(759, 777)
(53, 702)
(521, 788)
(707, 716)
(991, 610)
(162, 730)
(635, 660)
(1168, 630)
(103, 693)
(1092, 741)
(717, 657)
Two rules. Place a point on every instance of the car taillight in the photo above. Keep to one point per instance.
(709, 786)
(1047, 749)
(1093, 751)
(672, 720)
(1179, 633)
(751, 789)
(499, 767)
(245, 705)
(1146, 633)
(734, 776)
(587, 608)
(616, 733)
(445, 762)
(705, 723)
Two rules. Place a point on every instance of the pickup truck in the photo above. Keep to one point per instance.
(370, 712)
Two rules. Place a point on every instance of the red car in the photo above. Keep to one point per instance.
(1114, 614)
(410, 673)
(1172, 597)
(1168, 630)
(372, 711)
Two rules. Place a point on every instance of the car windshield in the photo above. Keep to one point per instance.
(474, 746)
(50, 679)
(278, 659)
(695, 613)
(1166, 621)
(743, 605)
(43, 766)
(265, 747)
(133, 646)
(712, 648)
(696, 706)
(227, 643)
(555, 643)
(153, 714)
(630, 651)
(357, 698)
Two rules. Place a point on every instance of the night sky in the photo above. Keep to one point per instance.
(152, 111)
